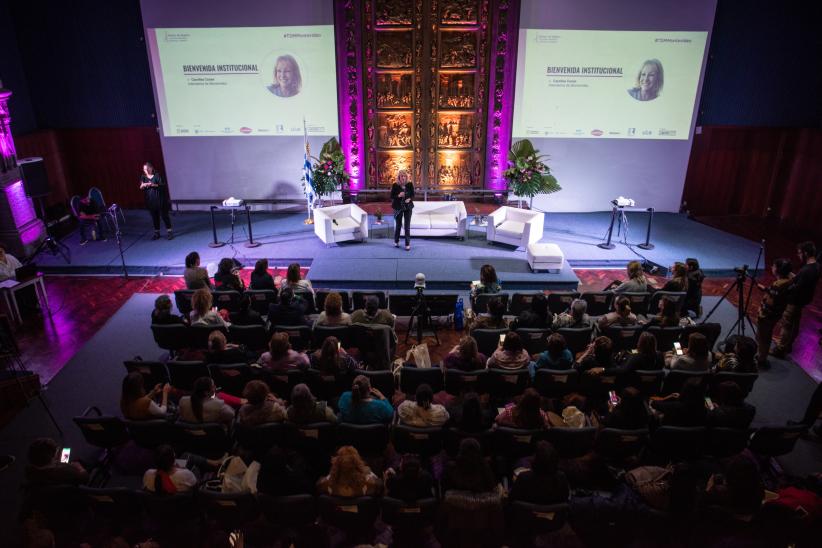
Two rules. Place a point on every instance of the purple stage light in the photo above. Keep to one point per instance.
(349, 89)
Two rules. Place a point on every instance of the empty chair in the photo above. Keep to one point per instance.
(480, 304)
(514, 443)
(153, 373)
(118, 505)
(341, 332)
(675, 379)
(527, 520)
(320, 295)
(260, 438)
(354, 516)
(560, 301)
(358, 298)
(617, 444)
(316, 438)
(299, 336)
(412, 377)
(623, 337)
(292, 512)
(182, 298)
(402, 304)
(675, 296)
(254, 337)
(678, 443)
(151, 433)
(649, 383)
(458, 382)
(520, 302)
(556, 383)
(229, 300)
(504, 384)
(172, 337)
(231, 511)
(208, 439)
(666, 336)
(726, 442)
(231, 378)
(599, 302)
(421, 441)
(409, 519)
(107, 433)
(198, 334)
(639, 302)
(182, 374)
(572, 443)
(745, 381)
(711, 330)
(368, 439)
(261, 299)
(488, 339)
(535, 341)
(774, 441)
(577, 338)
(442, 305)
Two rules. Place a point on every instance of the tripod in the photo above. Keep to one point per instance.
(118, 236)
(422, 314)
(739, 284)
(51, 243)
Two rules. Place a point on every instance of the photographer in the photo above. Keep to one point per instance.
(773, 306)
(800, 294)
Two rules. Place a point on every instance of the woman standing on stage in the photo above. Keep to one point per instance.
(157, 200)
(402, 195)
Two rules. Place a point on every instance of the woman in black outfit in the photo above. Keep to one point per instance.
(260, 278)
(158, 202)
(647, 357)
(226, 278)
(402, 202)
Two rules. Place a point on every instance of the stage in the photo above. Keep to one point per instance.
(448, 263)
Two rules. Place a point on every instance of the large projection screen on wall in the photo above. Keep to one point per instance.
(610, 90)
(236, 85)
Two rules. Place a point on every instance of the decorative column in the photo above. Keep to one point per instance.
(347, 21)
(20, 229)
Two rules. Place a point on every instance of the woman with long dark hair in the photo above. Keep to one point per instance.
(364, 405)
(402, 202)
(157, 199)
(167, 478)
(525, 413)
(203, 405)
(135, 404)
(332, 358)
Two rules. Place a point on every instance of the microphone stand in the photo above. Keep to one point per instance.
(118, 236)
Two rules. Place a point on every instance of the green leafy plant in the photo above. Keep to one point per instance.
(528, 174)
(328, 172)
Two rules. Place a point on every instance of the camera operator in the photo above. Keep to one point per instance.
(773, 306)
(800, 294)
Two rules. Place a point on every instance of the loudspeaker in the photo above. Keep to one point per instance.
(35, 177)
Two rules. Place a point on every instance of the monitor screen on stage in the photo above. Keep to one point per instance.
(610, 91)
(237, 86)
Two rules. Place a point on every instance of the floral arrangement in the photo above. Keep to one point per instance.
(328, 172)
(528, 174)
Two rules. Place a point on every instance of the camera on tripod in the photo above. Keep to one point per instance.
(741, 270)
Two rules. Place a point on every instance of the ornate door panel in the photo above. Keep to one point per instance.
(426, 80)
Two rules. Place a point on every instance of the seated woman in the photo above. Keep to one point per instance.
(687, 408)
(536, 317)
(261, 405)
(647, 357)
(557, 356)
(220, 351)
(201, 312)
(578, 317)
(331, 358)
(468, 415)
(349, 476)
(494, 318)
(161, 315)
(289, 311)
(280, 355)
(167, 478)
(525, 413)
(695, 358)
(542, 483)
(598, 357)
(668, 315)
(226, 278)
(636, 282)
(294, 280)
(278, 478)
(195, 276)
(364, 405)
(511, 355)
(305, 409)
(332, 313)
(246, 315)
(679, 278)
(621, 316)
(743, 357)
(470, 470)
(693, 300)
(422, 412)
(487, 283)
(136, 405)
(203, 405)
(372, 313)
(8, 264)
(411, 482)
(465, 356)
(629, 413)
(260, 278)
(730, 409)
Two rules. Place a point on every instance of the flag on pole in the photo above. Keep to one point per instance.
(308, 187)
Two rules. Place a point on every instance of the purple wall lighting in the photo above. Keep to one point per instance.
(347, 14)
(504, 34)
(8, 154)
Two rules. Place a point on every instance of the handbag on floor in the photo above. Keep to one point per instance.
(420, 354)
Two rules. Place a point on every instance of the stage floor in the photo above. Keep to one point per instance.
(286, 239)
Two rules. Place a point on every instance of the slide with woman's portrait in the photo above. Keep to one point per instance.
(245, 80)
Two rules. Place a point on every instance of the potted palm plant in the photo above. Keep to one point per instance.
(528, 174)
(328, 174)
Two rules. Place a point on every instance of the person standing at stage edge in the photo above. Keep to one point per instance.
(158, 202)
(800, 294)
(402, 202)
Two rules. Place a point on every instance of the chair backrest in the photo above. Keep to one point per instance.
(711, 330)
(96, 196)
(328, 386)
(623, 337)
(577, 338)
(306, 298)
(183, 374)
(773, 441)
(254, 337)
(599, 302)
(381, 380)
(534, 519)
(374, 343)
(320, 295)
(572, 443)
(298, 335)
(745, 381)
(598, 386)
(412, 377)
(369, 439)
(352, 515)
(666, 336)
(648, 382)
(74, 203)
(230, 510)
(281, 383)
(230, 300)
(102, 431)
(342, 332)
(182, 298)
(556, 383)
(408, 517)
(421, 441)
(505, 384)
(480, 304)
(358, 299)
(170, 510)
(675, 379)
(402, 304)
(618, 444)
(231, 378)
(151, 433)
(118, 503)
(261, 299)
(290, 511)
(316, 438)
(454, 436)
(153, 373)
(458, 382)
(675, 296)
(198, 334)
(172, 336)
(534, 340)
(560, 301)
(260, 438)
(520, 302)
(208, 439)
(727, 442)
(639, 302)
(441, 305)
(513, 443)
(488, 339)
(679, 443)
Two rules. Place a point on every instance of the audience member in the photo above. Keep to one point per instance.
(332, 313)
(45, 469)
(289, 311)
(305, 409)
(729, 408)
(195, 276)
(349, 476)
(743, 357)
(465, 356)
(220, 351)
(646, 357)
(469, 471)
(630, 412)
(364, 404)
(636, 282)
(161, 315)
(246, 315)
(598, 357)
(422, 412)
(800, 294)
(695, 358)
(772, 308)
(411, 482)
(203, 405)
(278, 478)
(260, 278)
(332, 358)
(668, 315)
(510, 354)
(557, 356)
(372, 313)
(542, 483)
(201, 310)
(686, 408)
(280, 355)
(524, 413)
(487, 283)
(294, 280)
(167, 478)
(261, 405)
(679, 279)
(226, 278)
(136, 405)
(693, 298)
(622, 316)
(536, 317)
(494, 318)
(8, 265)
(469, 416)
(577, 319)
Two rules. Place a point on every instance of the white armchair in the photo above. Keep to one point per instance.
(340, 223)
(514, 226)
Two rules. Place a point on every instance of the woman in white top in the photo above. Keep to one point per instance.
(168, 478)
(8, 264)
(295, 281)
(201, 312)
(203, 405)
(332, 313)
(422, 412)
